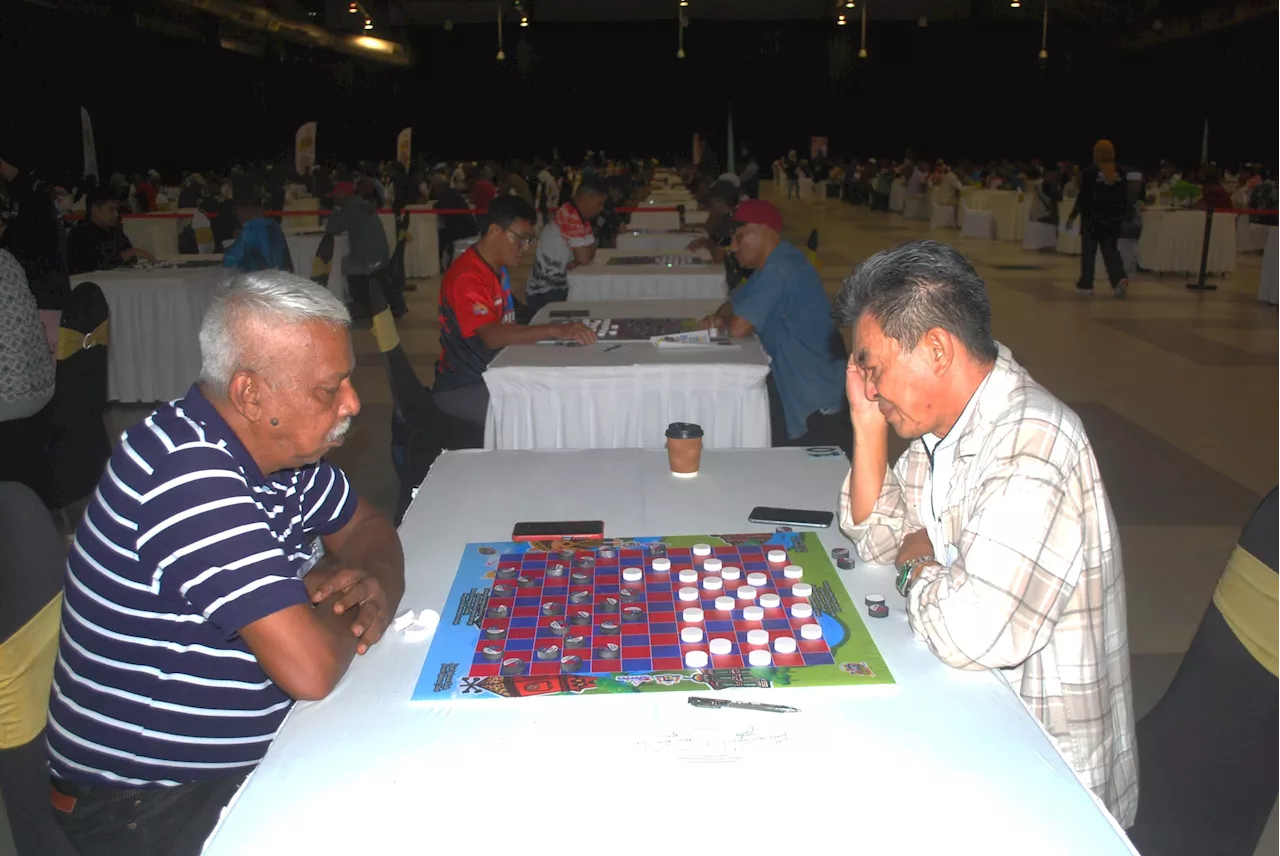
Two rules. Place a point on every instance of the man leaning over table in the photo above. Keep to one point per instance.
(995, 516)
(188, 626)
(98, 242)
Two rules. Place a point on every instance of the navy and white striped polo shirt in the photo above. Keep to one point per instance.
(184, 543)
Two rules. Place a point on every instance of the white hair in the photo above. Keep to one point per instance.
(271, 297)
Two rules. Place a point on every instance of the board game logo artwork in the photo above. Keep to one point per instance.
(627, 615)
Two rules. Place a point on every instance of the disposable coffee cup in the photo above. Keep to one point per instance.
(684, 449)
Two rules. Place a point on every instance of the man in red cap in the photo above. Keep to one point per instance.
(784, 303)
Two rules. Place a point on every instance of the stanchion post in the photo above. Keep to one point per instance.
(1200, 284)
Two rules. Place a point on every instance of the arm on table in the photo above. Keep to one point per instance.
(584, 255)
(497, 335)
(305, 651)
(725, 319)
(1019, 559)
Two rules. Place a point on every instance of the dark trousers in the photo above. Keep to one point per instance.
(144, 822)
(832, 429)
(1207, 752)
(359, 284)
(468, 407)
(25, 457)
(537, 301)
(1110, 257)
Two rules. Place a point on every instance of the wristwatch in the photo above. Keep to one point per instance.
(907, 568)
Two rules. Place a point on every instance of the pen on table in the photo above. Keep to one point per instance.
(717, 703)
(612, 348)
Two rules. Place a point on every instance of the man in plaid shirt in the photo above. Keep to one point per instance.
(995, 516)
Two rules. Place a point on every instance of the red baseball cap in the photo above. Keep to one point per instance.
(760, 212)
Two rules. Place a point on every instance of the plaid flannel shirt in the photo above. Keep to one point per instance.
(1036, 589)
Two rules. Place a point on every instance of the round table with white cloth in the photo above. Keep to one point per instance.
(1172, 240)
(302, 221)
(655, 221)
(657, 242)
(603, 281)
(155, 233)
(897, 195)
(1269, 283)
(1009, 210)
(422, 251)
(154, 352)
(623, 395)
(303, 244)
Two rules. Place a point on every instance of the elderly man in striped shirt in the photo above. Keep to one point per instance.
(194, 612)
(995, 516)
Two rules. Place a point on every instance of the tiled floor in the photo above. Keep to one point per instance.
(1178, 391)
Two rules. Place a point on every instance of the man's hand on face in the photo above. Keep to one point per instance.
(864, 412)
(356, 588)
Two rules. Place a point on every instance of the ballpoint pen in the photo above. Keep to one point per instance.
(717, 703)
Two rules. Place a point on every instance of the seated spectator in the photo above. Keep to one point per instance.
(1046, 196)
(749, 181)
(356, 214)
(477, 316)
(785, 304)
(208, 517)
(563, 245)
(456, 226)
(947, 191)
(1262, 197)
(1213, 196)
(98, 242)
(513, 183)
(721, 202)
(482, 190)
(261, 244)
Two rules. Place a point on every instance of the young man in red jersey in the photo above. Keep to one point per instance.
(477, 316)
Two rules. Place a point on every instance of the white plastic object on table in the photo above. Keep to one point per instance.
(702, 549)
(688, 593)
(757, 637)
(729, 572)
(769, 600)
(793, 572)
(712, 564)
(759, 657)
(417, 628)
(712, 583)
(785, 645)
(691, 635)
(801, 590)
(661, 564)
(632, 575)
(724, 603)
(696, 659)
(746, 592)
(777, 557)
(720, 645)
(811, 631)
(753, 613)
(801, 610)
(757, 579)
(692, 614)
(688, 575)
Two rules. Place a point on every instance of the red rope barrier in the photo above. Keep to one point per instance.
(325, 212)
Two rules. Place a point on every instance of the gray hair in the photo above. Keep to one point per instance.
(912, 289)
(273, 297)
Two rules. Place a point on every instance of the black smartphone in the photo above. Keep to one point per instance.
(550, 530)
(791, 517)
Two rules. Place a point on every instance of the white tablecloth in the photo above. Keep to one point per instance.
(1269, 283)
(303, 244)
(305, 221)
(154, 353)
(436, 776)
(155, 233)
(657, 242)
(897, 195)
(422, 252)
(1171, 241)
(623, 395)
(1009, 210)
(1250, 237)
(656, 221)
(602, 281)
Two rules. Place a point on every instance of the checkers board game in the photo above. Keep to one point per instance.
(647, 614)
(660, 261)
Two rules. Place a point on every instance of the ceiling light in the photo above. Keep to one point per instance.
(849, 4)
(840, 22)
(352, 8)
(862, 53)
(684, 2)
(524, 21)
(501, 55)
(368, 24)
(1015, 4)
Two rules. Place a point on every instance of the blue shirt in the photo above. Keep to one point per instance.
(787, 305)
(185, 542)
(261, 246)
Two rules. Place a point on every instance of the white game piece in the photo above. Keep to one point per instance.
(720, 645)
(769, 600)
(810, 631)
(757, 579)
(724, 603)
(632, 575)
(403, 621)
(688, 575)
(688, 593)
(759, 657)
(696, 659)
(661, 565)
(691, 635)
(784, 645)
(702, 549)
(729, 572)
(801, 610)
(757, 637)
(712, 583)
(801, 590)
(692, 614)
(793, 572)
(777, 557)
(752, 613)
(712, 564)
(746, 592)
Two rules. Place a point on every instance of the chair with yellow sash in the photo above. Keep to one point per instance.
(31, 570)
(78, 441)
(1207, 752)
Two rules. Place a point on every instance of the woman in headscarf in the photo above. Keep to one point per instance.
(1101, 206)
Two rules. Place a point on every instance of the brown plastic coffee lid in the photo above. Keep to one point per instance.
(684, 431)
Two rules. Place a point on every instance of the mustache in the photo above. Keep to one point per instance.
(338, 431)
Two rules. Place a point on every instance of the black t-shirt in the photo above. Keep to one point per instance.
(90, 247)
(454, 227)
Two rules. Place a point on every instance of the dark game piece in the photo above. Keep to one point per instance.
(548, 652)
(580, 617)
(845, 564)
(500, 611)
(575, 642)
(495, 632)
(526, 582)
(633, 613)
(503, 590)
(839, 552)
(657, 550)
(512, 666)
(878, 610)
(551, 608)
(586, 560)
(629, 595)
(571, 663)
(558, 628)
(580, 577)
(555, 570)
(491, 653)
(580, 596)
(609, 604)
(505, 574)
(609, 651)
(609, 628)
(608, 552)
(564, 555)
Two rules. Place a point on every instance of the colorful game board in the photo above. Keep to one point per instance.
(660, 261)
(555, 617)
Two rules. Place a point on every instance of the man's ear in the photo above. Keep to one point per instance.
(245, 394)
(940, 347)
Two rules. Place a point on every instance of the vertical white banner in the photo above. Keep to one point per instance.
(304, 148)
(404, 147)
(90, 150)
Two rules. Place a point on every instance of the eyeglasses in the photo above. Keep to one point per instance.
(525, 241)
